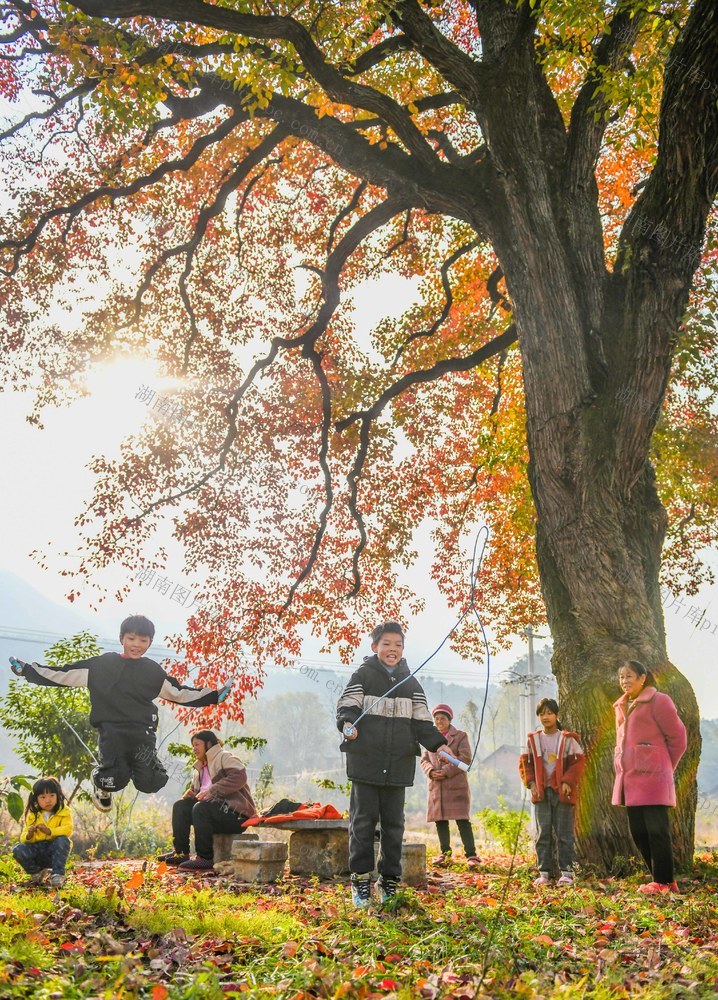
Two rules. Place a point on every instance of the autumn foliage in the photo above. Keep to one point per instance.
(215, 189)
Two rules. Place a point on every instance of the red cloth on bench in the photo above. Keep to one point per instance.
(314, 811)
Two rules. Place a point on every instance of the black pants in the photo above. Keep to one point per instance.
(207, 818)
(128, 753)
(369, 805)
(651, 834)
(465, 832)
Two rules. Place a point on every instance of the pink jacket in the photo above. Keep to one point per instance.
(650, 740)
(449, 798)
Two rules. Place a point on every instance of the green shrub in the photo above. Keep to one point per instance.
(506, 826)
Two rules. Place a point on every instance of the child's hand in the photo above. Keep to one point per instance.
(44, 828)
(566, 789)
(223, 692)
(17, 666)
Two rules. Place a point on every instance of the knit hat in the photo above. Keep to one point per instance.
(444, 709)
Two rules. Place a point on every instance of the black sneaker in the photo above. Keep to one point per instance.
(361, 891)
(196, 865)
(173, 858)
(101, 799)
(386, 888)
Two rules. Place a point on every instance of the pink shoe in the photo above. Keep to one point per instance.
(657, 888)
(542, 880)
(473, 862)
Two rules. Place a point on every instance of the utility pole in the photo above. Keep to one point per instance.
(531, 680)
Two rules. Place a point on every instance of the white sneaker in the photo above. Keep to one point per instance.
(386, 888)
(361, 891)
(101, 799)
(57, 880)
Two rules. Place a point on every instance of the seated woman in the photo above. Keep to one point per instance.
(217, 801)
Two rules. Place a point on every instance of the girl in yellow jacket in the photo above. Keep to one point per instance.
(45, 840)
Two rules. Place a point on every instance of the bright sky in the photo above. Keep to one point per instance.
(46, 482)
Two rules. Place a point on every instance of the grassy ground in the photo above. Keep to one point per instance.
(118, 931)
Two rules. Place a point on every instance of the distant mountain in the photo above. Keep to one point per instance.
(21, 606)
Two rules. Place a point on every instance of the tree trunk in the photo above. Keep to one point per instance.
(600, 530)
(596, 349)
(597, 623)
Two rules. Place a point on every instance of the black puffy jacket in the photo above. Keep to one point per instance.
(387, 744)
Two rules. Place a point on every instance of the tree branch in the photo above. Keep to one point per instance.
(448, 298)
(326, 425)
(209, 212)
(443, 367)
(287, 29)
(452, 62)
(367, 417)
(22, 247)
(590, 111)
(306, 342)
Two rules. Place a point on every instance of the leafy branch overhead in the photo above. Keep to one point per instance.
(507, 164)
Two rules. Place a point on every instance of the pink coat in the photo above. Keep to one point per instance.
(650, 740)
(449, 798)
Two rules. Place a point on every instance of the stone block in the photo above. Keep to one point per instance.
(413, 862)
(323, 853)
(222, 844)
(258, 860)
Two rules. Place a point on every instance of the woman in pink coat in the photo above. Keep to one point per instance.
(650, 740)
(449, 795)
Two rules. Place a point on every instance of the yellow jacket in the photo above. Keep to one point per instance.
(60, 824)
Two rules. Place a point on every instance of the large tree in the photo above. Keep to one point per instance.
(194, 180)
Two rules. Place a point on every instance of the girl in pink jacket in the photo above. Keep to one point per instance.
(650, 740)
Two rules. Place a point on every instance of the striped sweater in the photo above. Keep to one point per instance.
(387, 744)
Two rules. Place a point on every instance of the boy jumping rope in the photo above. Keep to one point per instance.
(381, 757)
(122, 688)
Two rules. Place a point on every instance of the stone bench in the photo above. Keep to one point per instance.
(316, 846)
(320, 847)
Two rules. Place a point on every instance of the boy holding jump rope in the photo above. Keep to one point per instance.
(383, 716)
(122, 688)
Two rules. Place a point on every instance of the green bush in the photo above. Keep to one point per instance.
(506, 826)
